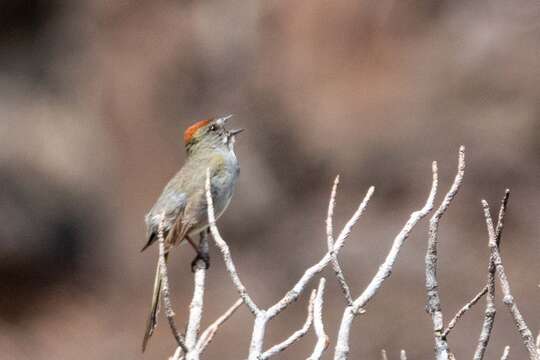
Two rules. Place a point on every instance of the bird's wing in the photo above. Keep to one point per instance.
(171, 204)
(188, 218)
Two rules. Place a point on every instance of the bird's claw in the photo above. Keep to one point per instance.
(204, 257)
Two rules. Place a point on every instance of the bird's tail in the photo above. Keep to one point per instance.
(152, 319)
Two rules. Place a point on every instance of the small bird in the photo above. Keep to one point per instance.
(182, 204)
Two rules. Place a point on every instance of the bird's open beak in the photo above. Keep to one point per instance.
(226, 118)
(235, 131)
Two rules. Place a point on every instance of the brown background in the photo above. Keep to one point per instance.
(94, 97)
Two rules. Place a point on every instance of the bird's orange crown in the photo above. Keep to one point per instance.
(190, 131)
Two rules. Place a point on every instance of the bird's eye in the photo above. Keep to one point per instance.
(213, 128)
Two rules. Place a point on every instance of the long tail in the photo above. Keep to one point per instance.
(152, 319)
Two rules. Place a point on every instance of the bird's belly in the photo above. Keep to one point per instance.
(220, 205)
(221, 200)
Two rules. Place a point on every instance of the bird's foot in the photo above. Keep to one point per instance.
(201, 256)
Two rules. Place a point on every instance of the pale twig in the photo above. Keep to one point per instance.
(169, 313)
(318, 324)
(224, 248)
(506, 352)
(342, 344)
(489, 314)
(490, 310)
(403, 355)
(433, 305)
(330, 240)
(197, 301)
(463, 310)
(383, 355)
(508, 299)
(296, 335)
(208, 335)
(263, 316)
(293, 294)
(196, 306)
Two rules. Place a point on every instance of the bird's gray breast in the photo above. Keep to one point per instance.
(223, 183)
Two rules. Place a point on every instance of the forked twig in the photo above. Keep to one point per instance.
(463, 310)
(508, 299)
(350, 312)
(262, 317)
(433, 305)
(293, 294)
(225, 251)
(208, 335)
(490, 310)
(318, 324)
(296, 335)
(330, 241)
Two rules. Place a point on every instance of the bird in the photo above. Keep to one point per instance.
(182, 205)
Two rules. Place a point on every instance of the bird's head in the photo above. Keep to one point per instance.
(210, 133)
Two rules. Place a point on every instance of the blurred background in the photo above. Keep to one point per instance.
(94, 98)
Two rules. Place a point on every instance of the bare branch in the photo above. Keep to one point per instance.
(433, 305)
(263, 316)
(318, 324)
(208, 335)
(490, 310)
(489, 314)
(225, 251)
(193, 345)
(500, 218)
(197, 301)
(386, 268)
(196, 306)
(506, 352)
(293, 294)
(330, 240)
(463, 310)
(403, 355)
(296, 335)
(342, 345)
(297, 289)
(508, 299)
(169, 313)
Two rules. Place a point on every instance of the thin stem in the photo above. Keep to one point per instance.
(296, 335)
(208, 335)
(330, 241)
(506, 352)
(169, 313)
(342, 344)
(463, 310)
(318, 324)
(294, 293)
(225, 251)
(433, 305)
(403, 355)
(490, 310)
(508, 299)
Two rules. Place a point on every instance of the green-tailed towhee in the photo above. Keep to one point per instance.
(209, 145)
